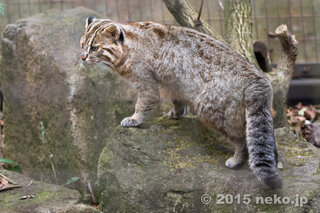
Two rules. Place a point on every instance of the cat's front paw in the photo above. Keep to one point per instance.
(130, 122)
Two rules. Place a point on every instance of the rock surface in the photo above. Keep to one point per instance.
(57, 113)
(168, 165)
(47, 197)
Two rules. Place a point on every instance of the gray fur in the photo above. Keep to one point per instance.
(225, 91)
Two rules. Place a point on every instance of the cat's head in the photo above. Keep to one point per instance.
(102, 42)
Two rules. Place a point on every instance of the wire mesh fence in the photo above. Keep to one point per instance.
(301, 16)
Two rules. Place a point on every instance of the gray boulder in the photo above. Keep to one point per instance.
(169, 165)
(57, 113)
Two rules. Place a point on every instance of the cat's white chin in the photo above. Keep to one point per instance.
(86, 62)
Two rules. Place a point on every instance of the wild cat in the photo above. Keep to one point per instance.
(225, 91)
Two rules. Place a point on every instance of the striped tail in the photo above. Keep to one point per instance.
(260, 135)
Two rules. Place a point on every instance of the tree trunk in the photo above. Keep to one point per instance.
(238, 27)
(238, 34)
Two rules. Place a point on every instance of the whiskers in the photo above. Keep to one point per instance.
(103, 65)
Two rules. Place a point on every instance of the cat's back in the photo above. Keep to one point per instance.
(186, 55)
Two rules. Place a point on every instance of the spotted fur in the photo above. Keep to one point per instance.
(225, 91)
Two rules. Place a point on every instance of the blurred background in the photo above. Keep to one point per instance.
(301, 16)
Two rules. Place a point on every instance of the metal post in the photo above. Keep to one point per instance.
(19, 9)
(303, 33)
(315, 32)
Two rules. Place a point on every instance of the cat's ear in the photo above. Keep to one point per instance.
(115, 32)
(89, 20)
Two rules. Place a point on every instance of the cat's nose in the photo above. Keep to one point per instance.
(83, 56)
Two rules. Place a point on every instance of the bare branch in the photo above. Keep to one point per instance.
(281, 76)
(185, 16)
(199, 15)
(198, 22)
(289, 46)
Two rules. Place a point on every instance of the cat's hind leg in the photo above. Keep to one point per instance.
(240, 155)
(178, 111)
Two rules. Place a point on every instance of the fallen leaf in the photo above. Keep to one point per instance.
(302, 111)
(310, 114)
(6, 183)
(26, 197)
(3, 182)
(300, 118)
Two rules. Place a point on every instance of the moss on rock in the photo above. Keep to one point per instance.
(167, 165)
(47, 197)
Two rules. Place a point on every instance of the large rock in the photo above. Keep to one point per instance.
(168, 165)
(57, 114)
(47, 197)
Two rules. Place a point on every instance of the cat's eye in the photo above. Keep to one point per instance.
(94, 48)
